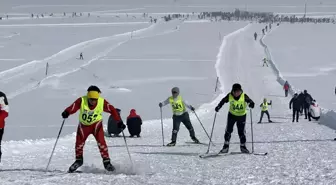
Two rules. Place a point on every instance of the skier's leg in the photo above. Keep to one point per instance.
(261, 116)
(82, 133)
(187, 123)
(1, 134)
(268, 115)
(305, 111)
(176, 127)
(231, 120)
(297, 115)
(98, 133)
(293, 115)
(241, 120)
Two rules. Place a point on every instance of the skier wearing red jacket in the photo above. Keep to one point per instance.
(4, 109)
(91, 108)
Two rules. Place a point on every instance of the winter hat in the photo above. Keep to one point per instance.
(176, 89)
(236, 87)
(93, 92)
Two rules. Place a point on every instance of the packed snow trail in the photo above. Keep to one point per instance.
(239, 61)
(32, 75)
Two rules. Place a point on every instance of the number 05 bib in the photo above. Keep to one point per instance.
(237, 107)
(89, 117)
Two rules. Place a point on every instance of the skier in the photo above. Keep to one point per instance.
(81, 56)
(295, 101)
(286, 88)
(91, 108)
(264, 110)
(4, 109)
(264, 62)
(237, 113)
(263, 31)
(134, 123)
(306, 103)
(255, 35)
(113, 129)
(301, 99)
(180, 114)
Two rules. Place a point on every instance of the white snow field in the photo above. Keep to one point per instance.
(136, 64)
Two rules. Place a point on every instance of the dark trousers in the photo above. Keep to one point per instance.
(306, 110)
(1, 134)
(184, 118)
(262, 115)
(296, 113)
(286, 93)
(231, 120)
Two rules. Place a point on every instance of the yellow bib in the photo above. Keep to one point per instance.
(89, 117)
(264, 106)
(178, 105)
(237, 107)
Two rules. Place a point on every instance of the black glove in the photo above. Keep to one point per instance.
(160, 104)
(251, 105)
(192, 108)
(121, 125)
(65, 114)
(217, 108)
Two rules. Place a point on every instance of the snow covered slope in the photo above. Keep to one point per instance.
(290, 160)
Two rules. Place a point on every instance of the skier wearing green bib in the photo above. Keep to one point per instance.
(237, 113)
(264, 110)
(180, 114)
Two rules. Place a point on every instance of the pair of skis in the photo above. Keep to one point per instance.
(217, 154)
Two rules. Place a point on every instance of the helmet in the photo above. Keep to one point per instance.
(175, 90)
(236, 87)
(93, 92)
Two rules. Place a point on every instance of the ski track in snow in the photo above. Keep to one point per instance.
(238, 60)
(59, 58)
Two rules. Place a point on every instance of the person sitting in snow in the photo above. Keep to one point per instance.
(112, 127)
(134, 123)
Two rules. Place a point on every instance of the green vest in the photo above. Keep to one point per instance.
(177, 105)
(237, 107)
(89, 117)
(264, 106)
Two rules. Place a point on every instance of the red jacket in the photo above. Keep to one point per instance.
(133, 114)
(286, 86)
(73, 108)
(3, 116)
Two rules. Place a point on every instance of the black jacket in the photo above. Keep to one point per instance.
(134, 125)
(112, 126)
(307, 99)
(226, 100)
(295, 103)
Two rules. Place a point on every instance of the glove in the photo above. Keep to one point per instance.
(121, 125)
(192, 108)
(217, 108)
(271, 102)
(251, 105)
(65, 114)
(160, 104)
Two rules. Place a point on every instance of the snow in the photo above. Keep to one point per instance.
(136, 65)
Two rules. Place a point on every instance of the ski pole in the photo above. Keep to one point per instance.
(162, 126)
(213, 126)
(59, 133)
(252, 131)
(203, 127)
(129, 155)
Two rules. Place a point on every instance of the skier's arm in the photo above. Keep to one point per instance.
(187, 105)
(74, 107)
(249, 101)
(223, 101)
(261, 105)
(110, 109)
(290, 104)
(166, 102)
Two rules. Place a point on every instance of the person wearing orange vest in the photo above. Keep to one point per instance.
(91, 108)
(180, 114)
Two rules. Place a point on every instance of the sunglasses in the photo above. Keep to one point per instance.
(174, 92)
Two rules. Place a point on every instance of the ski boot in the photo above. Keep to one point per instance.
(225, 149)
(107, 165)
(195, 139)
(259, 122)
(78, 163)
(270, 121)
(243, 149)
(173, 143)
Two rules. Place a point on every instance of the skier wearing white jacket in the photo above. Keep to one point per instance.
(180, 114)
